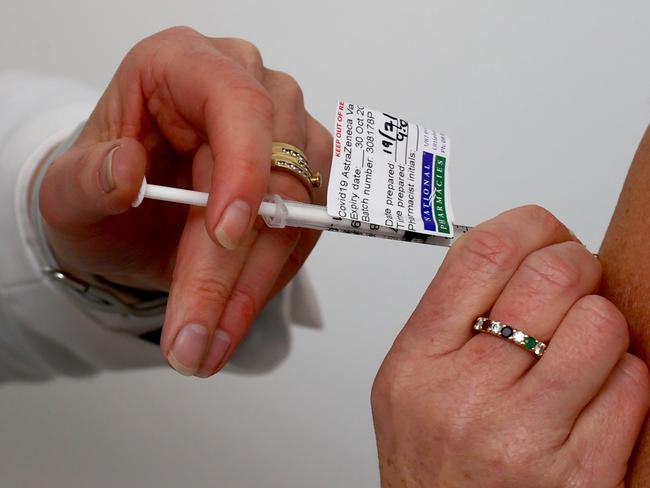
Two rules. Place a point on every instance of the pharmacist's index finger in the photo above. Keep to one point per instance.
(199, 95)
(475, 271)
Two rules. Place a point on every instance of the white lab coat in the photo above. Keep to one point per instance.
(44, 330)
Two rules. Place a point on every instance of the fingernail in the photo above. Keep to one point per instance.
(188, 350)
(233, 224)
(220, 344)
(106, 179)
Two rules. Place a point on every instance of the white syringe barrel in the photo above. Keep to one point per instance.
(279, 213)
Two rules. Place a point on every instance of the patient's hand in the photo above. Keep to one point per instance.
(454, 409)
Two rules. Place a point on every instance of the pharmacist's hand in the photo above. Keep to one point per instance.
(188, 111)
(457, 409)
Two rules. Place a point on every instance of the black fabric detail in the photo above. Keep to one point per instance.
(152, 336)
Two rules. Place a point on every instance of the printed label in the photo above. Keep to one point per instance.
(387, 171)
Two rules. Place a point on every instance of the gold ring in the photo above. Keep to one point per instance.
(289, 158)
(520, 338)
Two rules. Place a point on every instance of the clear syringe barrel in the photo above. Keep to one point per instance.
(279, 213)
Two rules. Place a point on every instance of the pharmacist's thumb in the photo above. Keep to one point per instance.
(86, 185)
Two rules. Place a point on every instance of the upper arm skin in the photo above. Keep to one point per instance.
(625, 256)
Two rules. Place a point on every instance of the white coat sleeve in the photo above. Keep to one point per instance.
(44, 330)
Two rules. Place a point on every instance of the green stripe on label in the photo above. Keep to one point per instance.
(440, 212)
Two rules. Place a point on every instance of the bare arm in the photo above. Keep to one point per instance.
(625, 256)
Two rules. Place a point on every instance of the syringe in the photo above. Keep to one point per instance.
(280, 213)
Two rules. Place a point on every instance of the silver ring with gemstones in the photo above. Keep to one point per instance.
(520, 338)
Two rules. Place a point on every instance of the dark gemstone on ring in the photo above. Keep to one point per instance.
(506, 331)
(486, 324)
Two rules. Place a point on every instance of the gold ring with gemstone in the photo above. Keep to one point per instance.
(520, 338)
(286, 157)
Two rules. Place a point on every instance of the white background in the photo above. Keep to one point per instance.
(545, 102)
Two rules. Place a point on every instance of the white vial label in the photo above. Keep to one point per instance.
(387, 171)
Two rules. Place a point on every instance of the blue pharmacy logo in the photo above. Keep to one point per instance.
(428, 193)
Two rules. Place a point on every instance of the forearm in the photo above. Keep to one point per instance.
(625, 256)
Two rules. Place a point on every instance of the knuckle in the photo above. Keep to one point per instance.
(256, 97)
(248, 53)
(584, 260)
(170, 34)
(320, 138)
(253, 171)
(244, 300)
(542, 217)
(177, 31)
(380, 391)
(210, 290)
(290, 90)
(151, 45)
(602, 315)
(398, 378)
(550, 268)
(486, 252)
(388, 388)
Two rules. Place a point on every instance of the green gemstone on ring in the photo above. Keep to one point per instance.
(530, 343)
